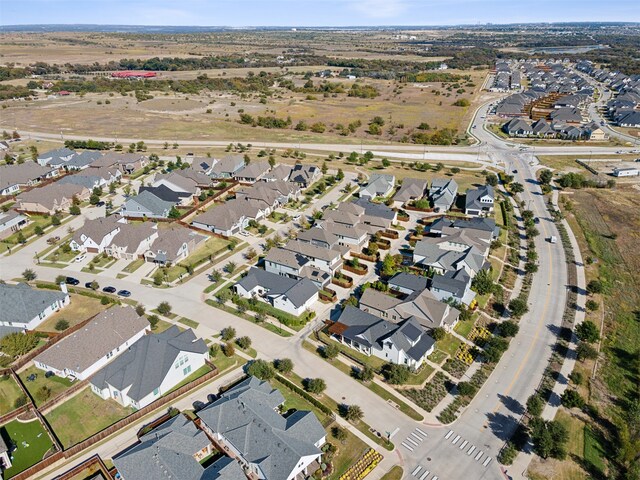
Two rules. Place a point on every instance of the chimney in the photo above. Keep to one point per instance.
(63, 287)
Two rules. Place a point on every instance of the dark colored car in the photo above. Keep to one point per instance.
(100, 204)
(109, 289)
(49, 374)
(536, 220)
(88, 285)
(124, 293)
(71, 281)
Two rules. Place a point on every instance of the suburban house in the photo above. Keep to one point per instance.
(443, 193)
(252, 172)
(407, 283)
(366, 215)
(484, 224)
(203, 165)
(166, 194)
(27, 174)
(245, 422)
(150, 367)
(146, 205)
(402, 343)
(410, 190)
(51, 198)
(272, 194)
(178, 183)
(174, 449)
(379, 185)
(133, 240)
(230, 218)
(541, 128)
(352, 236)
(453, 284)
(5, 456)
(318, 237)
(280, 172)
(293, 265)
(517, 127)
(479, 201)
(305, 175)
(173, 245)
(325, 259)
(442, 260)
(11, 222)
(202, 180)
(84, 352)
(93, 178)
(126, 162)
(227, 167)
(24, 307)
(95, 235)
(81, 160)
(423, 306)
(293, 296)
(58, 156)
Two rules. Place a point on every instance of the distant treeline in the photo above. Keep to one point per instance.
(88, 144)
(8, 92)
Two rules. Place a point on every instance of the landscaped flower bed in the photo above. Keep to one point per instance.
(432, 393)
(455, 367)
(354, 267)
(342, 280)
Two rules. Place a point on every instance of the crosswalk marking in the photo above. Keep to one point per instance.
(421, 432)
(471, 450)
(448, 435)
(407, 447)
(455, 440)
(486, 462)
(424, 475)
(416, 436)
(480, 453)
(411, 440)
(463, 444)
(416, 470)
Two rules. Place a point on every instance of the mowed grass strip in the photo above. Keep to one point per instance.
(9, 393)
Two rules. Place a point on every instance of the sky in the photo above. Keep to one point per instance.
(237, 13)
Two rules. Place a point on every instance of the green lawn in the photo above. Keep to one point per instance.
(224, 363)
(438, 356)
(84, 415)
(79, 309)
(464, 328)
(210, 247)
(161, 326)
(195, 375)
(374, 362)
(420, 377)
(593, 452)
(9, 392)
(449, 344)
(58, 255)
(55, 384)
(250, 317)
(133, 266)
(35, 221)
(32, 442)
(188, 322)
(394, 474)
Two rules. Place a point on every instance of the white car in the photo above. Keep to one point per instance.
(244, 233)
(80, 257)
(295, 218)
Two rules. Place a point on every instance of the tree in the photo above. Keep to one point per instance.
(16, 344)
(365, 374)
(482, 283)
(94, 285)
(228, 349)
(330, 351)
(592, 305)
(518, 307)
(535, 405)
(140, 310)
(174, 213)
(244, 342)
(283, 365)
(386, 163)
(228, 333)
(43, 393)
(588, 331)
(352, 413)
(324, 169)
(29, 275)
(467, 389)
(396, 374)
(595, 286)
(508, 454)
(38, 230)
(509, 329)
(545, 176)
(584, 351)
(153, 321)
(61, 325)
(164, 308)
(340, 175)
(55, 220)
(517, 187)
(339, 434)
(530, 267)
(215, 276)
(61, 279)
(549, 438)
(261, 369)
(230, 268)
(455, 170)
(314, 385)
(74, 210)
(158, 278)
(491, 179)
(572, 399)
(104, 300)
(494, 349)
(438, 334)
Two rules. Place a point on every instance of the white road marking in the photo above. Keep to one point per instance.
(392, 434)
(486, 462)
(421, 432)
(479, 455)
(407, 447)
(416, 470)
(424, 475)
(412, 441)
(471, 450)
(417, 437)
(448, 435)
(455, 440)
(463, 444)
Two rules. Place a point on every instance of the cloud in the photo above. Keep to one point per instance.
(379, 8)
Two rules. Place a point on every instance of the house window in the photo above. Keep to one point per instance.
(186, 370)
(156, 391)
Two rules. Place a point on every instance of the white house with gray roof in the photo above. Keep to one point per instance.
(443, 193)
(403, 343)
(246, 421)
(150, 367)
(411, 189)
(146, 205)
(290, 295)
(56, 156)
(453, 285)
(95, 235)
(27, 174)
(479, 201)
(175, 449)
(85, 351)
(24, 307)
(379, 185)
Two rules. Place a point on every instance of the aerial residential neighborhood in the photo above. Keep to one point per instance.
(320, 252)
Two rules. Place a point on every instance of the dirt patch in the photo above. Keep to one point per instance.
(174, 105)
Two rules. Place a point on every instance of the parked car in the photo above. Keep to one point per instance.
(89, 285)
(53, 240)
(49, 374)
(536, 220)
(80, 257)
(100, 204)
(124, 293)
(71, 281)
(244, 233)
(553, 239)
(109, 289)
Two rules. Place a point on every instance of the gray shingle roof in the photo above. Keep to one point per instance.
(411, 188)
(297, 291)
(167, 452)
(409, 281)
(454, 282)
(21, 174)
(145, 364)
(473, 197)
(150, 202)
(245, 416)
(21, 303)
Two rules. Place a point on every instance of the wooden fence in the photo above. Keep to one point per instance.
(90, 462)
